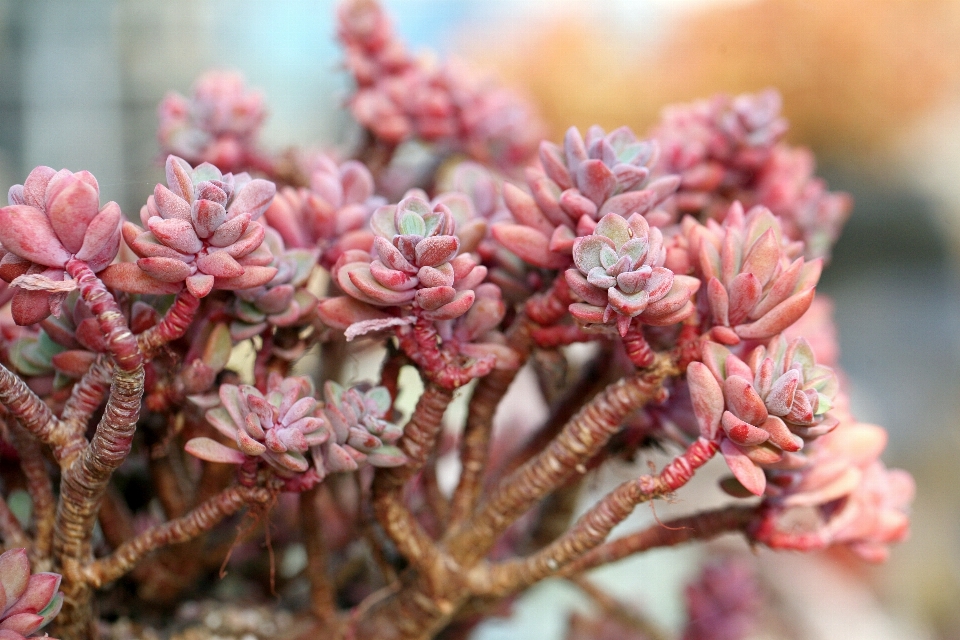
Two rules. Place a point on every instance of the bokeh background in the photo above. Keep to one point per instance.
(873, 86)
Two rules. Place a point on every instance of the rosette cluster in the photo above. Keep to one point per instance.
(282, 302)
(763, 410)
(399, 97)
(332, 214)
(717, 145)
(579, 184)
(52, 217)
(754, 289)
(359, 432)
(27, 602)
(414, 262)
(858, 501)
(201, 231)
(218, 124)
(278, 426)
(620, 276)
(730, 148)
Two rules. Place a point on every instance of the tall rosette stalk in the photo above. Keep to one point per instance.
(762, 411)
(332, 214)
(360, 434)
(755, 288)
(201, 232)
(53, 217)
(282, 302)
(277, 427)
(855, 500)
(219, 123)
(27, 601)
(579, 184)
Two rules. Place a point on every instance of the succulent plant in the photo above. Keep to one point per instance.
(579, 184)
(754, 289)
(52, 217)
(860, 503)
(415, 263)
(27, 602)
(620, 276)
(359, 432)
(763, 410)
(717, 146)
(278, 426)
(282, 302)
(807, 210)
(202, 232)
(218, 124)
(332, 214)
(723, 603)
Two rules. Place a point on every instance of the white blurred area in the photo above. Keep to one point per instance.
(79, 85)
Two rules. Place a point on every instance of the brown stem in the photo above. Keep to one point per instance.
(120, 341)
(173, 325)
(87, 395)
(33, 414)
(591, 529)
(116, 520)
(169, 485)
(581, 439)
(322, 592)
(203, 518)
(699, 526)
(477, 432)
(419, 438)
(40, 489)
(81, 492)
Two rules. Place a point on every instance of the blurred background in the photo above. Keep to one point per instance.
(872, 86)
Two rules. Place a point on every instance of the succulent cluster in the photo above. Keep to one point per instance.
(620, 276)
(250, 274)
(219, 123)
(399, 97)
(730, 149)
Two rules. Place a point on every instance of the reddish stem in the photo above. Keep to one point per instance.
(637, 347)
(173, 326)
(551, 306)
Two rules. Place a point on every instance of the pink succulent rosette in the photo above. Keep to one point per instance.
(54, 216)
(764, 410)
(332, 214)
(360, 434)
(218, 124)
(755, 288)
(278, 426)
(717, 146)
(27, 601)
(201, 232)
(416, 262)
(579, 184)
(620, 276)
(857, 501)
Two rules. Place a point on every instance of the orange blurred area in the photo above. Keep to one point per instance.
(854, 74)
